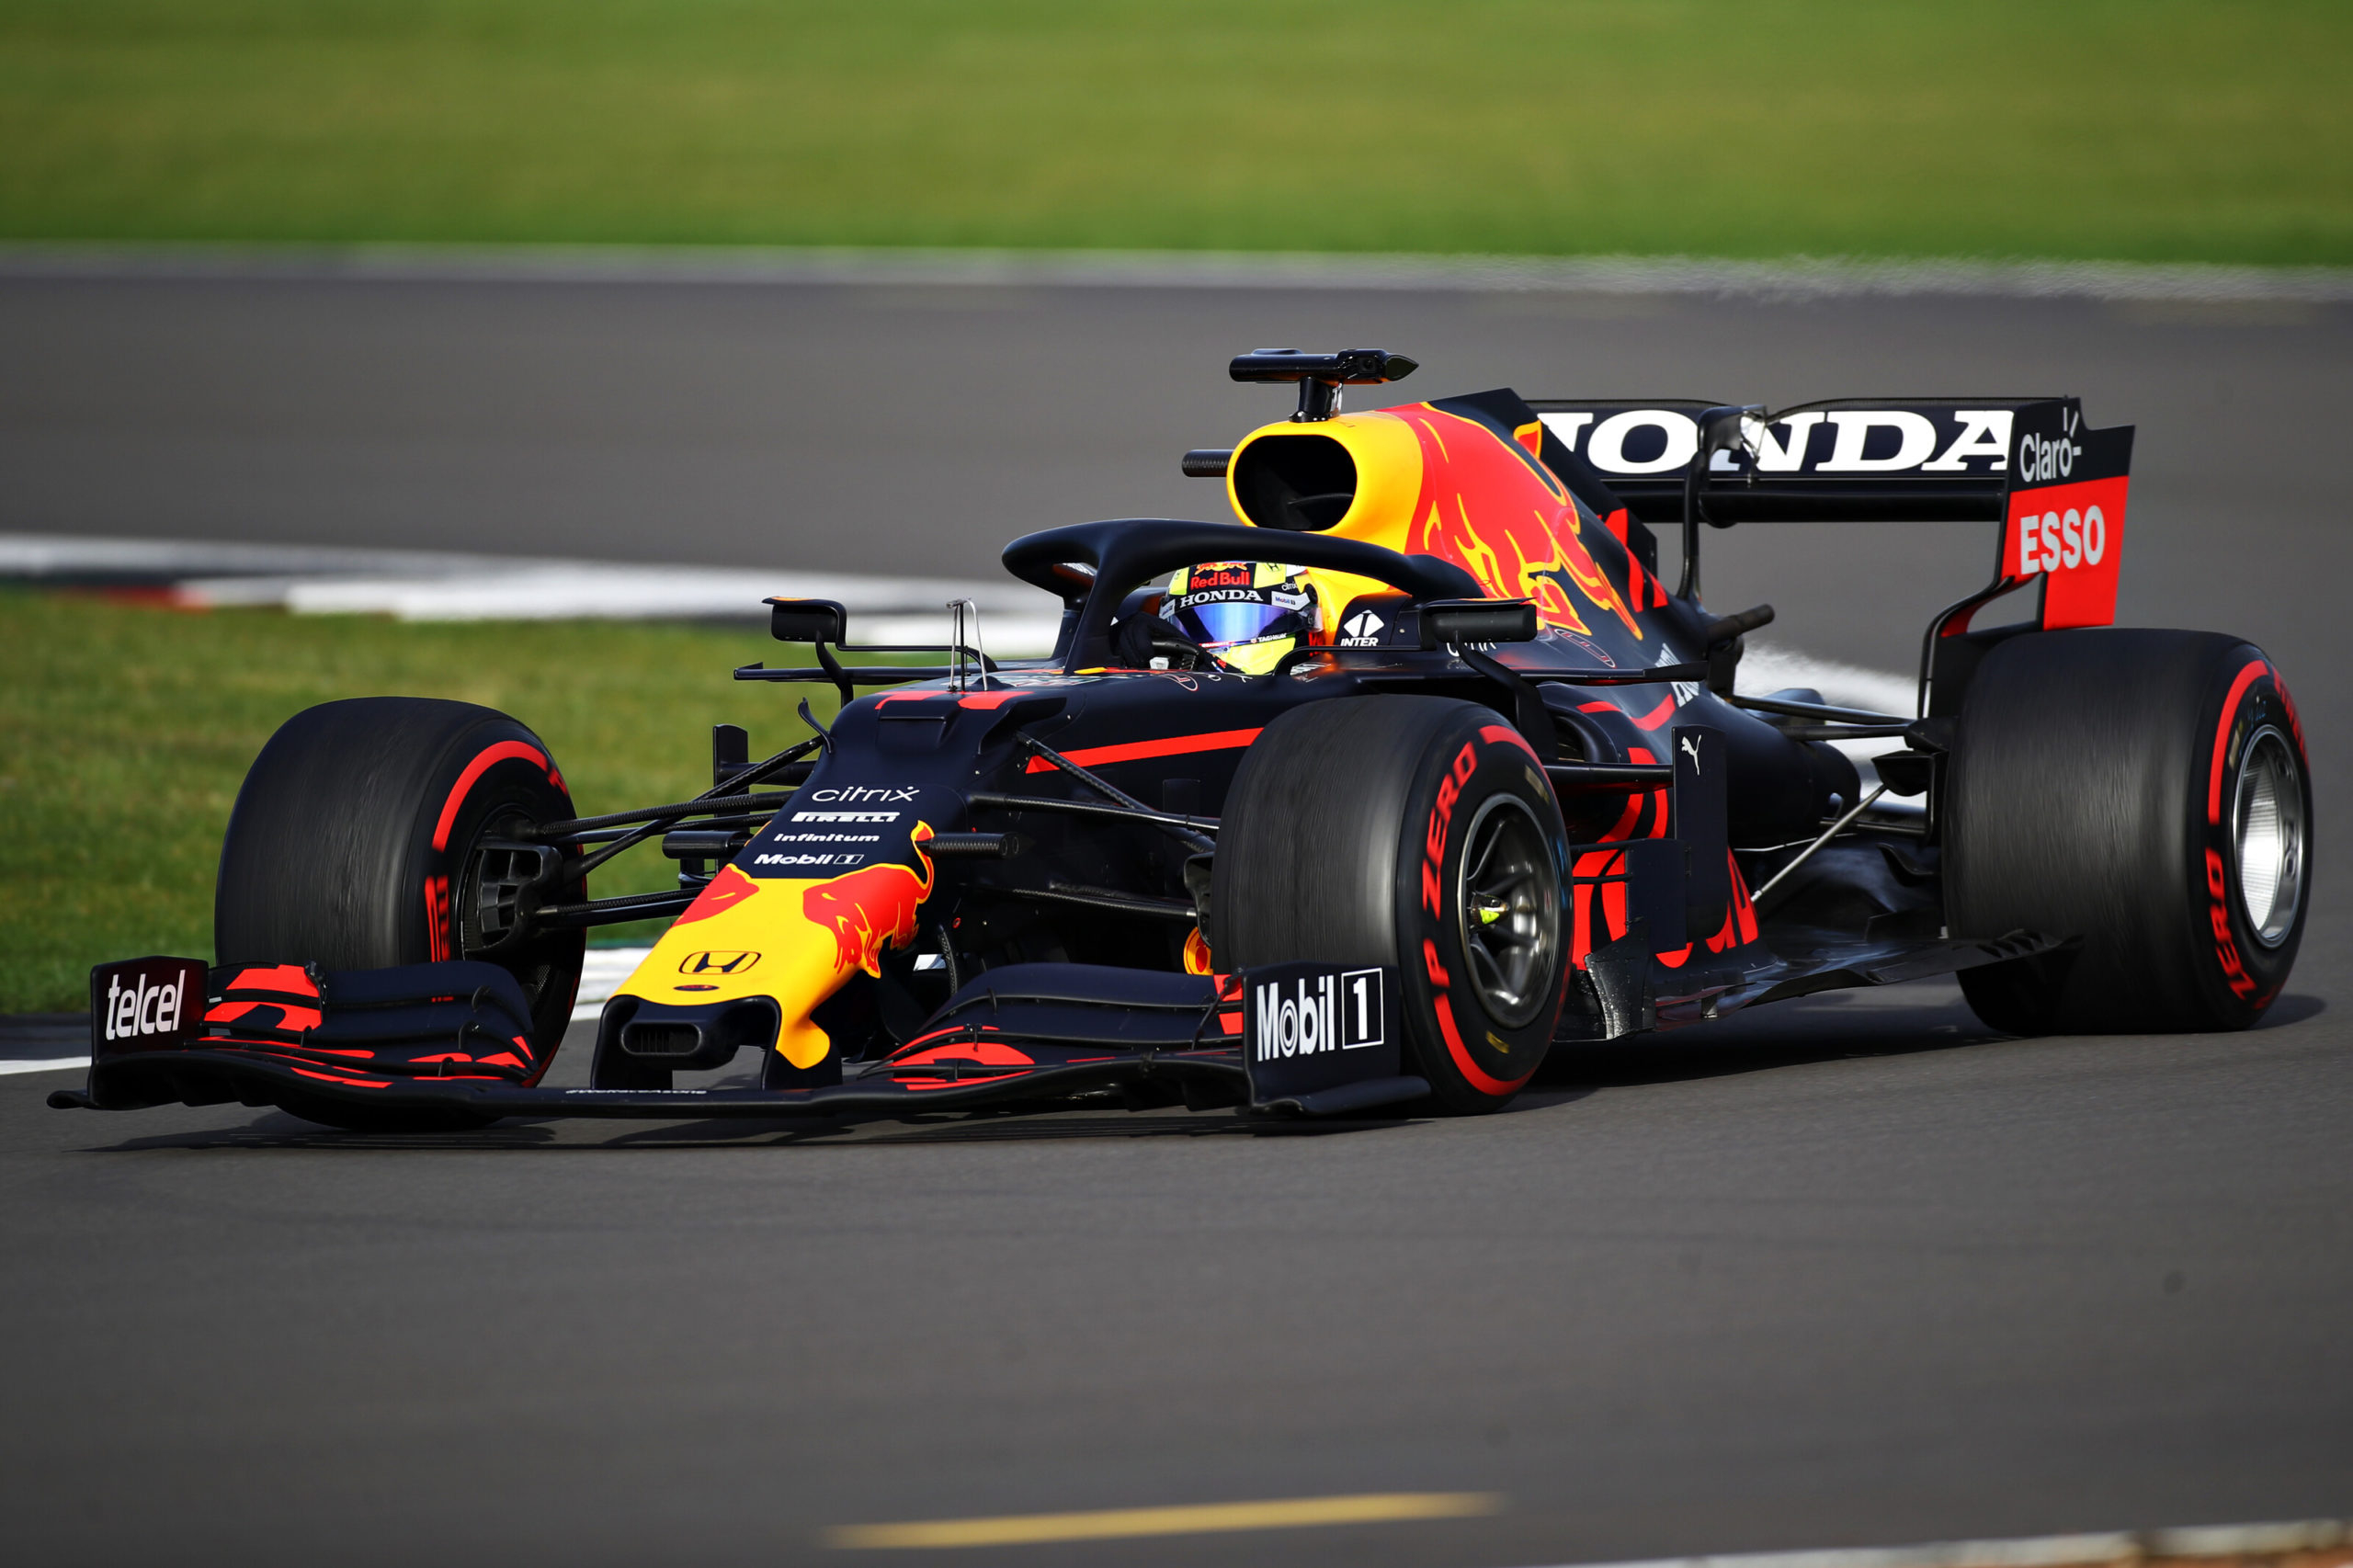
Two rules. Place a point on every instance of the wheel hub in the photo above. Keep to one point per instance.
(2268, 836)
(1509, 894)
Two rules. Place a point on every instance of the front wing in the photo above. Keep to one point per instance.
(1283, 1041)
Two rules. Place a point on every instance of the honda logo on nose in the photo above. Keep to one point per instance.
(717, 963)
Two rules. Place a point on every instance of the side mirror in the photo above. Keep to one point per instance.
(1446, 622)
(808, 621)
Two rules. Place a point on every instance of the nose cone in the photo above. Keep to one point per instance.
(795, 940)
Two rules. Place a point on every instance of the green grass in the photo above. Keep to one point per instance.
(125, 731)
(2131, 128)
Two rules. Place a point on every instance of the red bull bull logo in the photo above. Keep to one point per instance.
(1503, 521)
(871, 909)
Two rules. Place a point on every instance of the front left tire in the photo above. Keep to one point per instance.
(1415, 832)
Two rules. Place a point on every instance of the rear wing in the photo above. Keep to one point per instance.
(2057, 486)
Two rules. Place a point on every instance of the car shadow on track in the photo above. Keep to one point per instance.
(1831, 1026)
(278, 1130)
(2291, 1010)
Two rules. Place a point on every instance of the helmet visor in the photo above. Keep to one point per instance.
(1216, 625)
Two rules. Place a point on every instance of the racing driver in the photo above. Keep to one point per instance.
(1245, 615)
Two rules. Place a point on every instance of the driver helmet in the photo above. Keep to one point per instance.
(1247, 614)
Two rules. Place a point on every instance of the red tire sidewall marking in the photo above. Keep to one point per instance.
(2242, 974)
(483, 761)
(445, 854)
(1480, 761)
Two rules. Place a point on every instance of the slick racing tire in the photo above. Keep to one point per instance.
(1411, 831)
(2146, 792)
(364, 836)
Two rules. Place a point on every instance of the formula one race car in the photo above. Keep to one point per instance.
(1368, 799)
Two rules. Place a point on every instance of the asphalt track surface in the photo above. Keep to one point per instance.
(1852, 1271)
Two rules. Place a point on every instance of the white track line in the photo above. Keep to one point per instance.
(2044, 1552)
(51, 1065)
(1790, 278)
(444, 586)
(1772, 666)
(448, 586)
(1767, 666)
(606, 967)
(326, 580)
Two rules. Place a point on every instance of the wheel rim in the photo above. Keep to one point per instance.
(2268, 832)
(496, 865)
(1509, 892)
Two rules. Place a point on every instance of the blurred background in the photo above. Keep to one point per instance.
(509, 350)
(2154, 131)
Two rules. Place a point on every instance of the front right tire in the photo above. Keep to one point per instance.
(365, 837)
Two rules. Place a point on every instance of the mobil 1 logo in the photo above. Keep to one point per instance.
(1317, 1026)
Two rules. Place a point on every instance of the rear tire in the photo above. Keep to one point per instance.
(1415, 831)
(354, 844)
(2148, 792)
